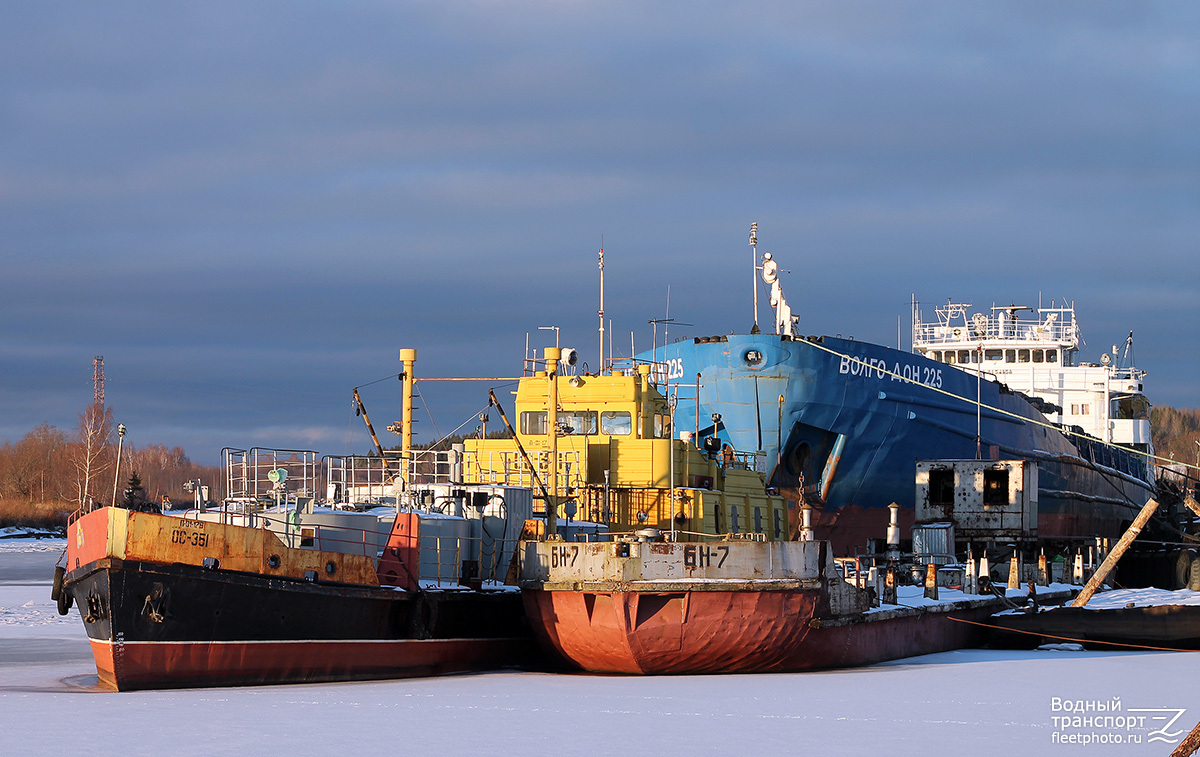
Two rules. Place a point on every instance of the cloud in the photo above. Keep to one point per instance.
(248, 207)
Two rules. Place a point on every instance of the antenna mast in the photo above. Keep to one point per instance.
(600, 367)
(754, 272)
(98, 380)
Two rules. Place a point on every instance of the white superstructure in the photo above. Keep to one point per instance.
(1035, 354)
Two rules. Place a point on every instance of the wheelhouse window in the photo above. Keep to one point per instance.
(950, 357)
(1010, 356)
(964, 356)
(534, 423)
(1038, 356)
(1051, 356)
(578, 421)
(662, 426)
(993, 354)
(615, 423)
(1131, 407)
(1022, 356)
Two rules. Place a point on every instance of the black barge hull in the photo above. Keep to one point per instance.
(169, 626)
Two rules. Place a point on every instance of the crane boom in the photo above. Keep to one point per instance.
(361, 409)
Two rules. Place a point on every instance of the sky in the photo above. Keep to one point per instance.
(248, 207)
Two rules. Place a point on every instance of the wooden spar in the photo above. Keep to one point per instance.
(1192, 504)
(1190, 744)
(1110, 561)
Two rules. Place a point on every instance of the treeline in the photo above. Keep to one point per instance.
(50, 472)
(1176, 433)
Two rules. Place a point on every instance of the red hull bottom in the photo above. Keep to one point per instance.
(126, 666)
(728, 632)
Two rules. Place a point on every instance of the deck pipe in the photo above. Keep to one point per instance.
(552, 355)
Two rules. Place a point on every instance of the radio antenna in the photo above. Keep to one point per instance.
(754, 271)
(600, 365)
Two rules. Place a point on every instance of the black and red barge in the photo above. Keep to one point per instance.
(174, 602)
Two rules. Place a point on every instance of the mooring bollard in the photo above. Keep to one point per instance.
(1077, 573)
(893, 533)
(1014, 573)
(889, 586)
(931, 587)
(1043, 576)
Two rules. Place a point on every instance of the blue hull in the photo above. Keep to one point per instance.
(846, 421)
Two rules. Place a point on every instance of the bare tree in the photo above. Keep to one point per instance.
(30, 470)
(93, 439)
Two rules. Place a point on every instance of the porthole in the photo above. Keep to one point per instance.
(331, 567)
(273, 561)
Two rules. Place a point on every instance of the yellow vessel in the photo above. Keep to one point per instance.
(617, 461)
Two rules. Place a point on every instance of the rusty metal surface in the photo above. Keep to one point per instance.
(673, 632)
(152, 538)
(626, 561)
(982, 498)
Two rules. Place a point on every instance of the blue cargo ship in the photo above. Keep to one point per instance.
(840, 423)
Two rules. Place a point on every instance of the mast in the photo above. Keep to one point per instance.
(553, 355)
(754, 271)
(408, 357)
(600, 365)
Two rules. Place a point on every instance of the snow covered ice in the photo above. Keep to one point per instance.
(973, 701)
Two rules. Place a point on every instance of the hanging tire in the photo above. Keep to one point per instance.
(59, 572)
(64, 602)
(1183, 568)
(1194, 580)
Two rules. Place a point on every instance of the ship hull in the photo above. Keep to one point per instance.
(747, 631)
(169, 626)
(845, 422)
(1171, 627)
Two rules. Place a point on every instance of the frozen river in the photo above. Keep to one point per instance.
(971, 701)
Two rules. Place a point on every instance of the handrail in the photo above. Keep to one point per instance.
(507, 467)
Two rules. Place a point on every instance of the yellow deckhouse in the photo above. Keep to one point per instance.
(617, 462)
